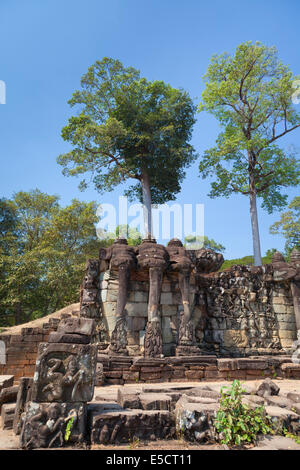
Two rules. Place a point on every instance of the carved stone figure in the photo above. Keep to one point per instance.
(122, 259)
(153, 257)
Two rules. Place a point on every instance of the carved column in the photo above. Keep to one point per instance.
(153, 257)
(122, 258)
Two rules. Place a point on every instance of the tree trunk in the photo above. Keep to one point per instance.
(147, 204)
(255, 229)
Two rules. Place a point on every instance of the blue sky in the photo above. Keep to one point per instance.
(46, 46)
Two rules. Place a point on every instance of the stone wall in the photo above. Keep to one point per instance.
(239, 312)
(131, 370)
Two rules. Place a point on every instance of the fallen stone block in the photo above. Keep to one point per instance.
(129, 399)
(295, 397)
(62, 337)
(155, 401)
(195, 421)
(282, 402)
(6, 381)
(9, 395)
(124, 426)
(282, 417)
(64, 373)
(204, 393)
(23, 396)
(267, 388)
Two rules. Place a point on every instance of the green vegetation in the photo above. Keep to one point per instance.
(289, 226)
(196, 242)
(247, 260)
(129, 128)
(250, 93)
(237, 423)
(43, 251)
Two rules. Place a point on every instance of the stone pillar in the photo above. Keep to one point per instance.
(63, 383)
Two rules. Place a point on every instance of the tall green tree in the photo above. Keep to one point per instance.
(130, 128)
(196, 242)
(289, 226)
(250, 94)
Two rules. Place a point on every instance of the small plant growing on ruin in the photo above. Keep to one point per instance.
(69, 429)
(134, 443)
(236, 423)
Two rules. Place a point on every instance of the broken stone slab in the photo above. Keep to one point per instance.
(295, 397)
(282, 417)
(24, 396)
(64, 373)
(204, 393)
(267, 388)
(128, 399)
(77, 325)
(62, 337)
(195, 421)
(45, 425)
(282, 402)
(253, 401)
(251, 364)
(9, 395)
(6, 381)
(124, 426)
(7, 415)
(155, 401)
(193, 360)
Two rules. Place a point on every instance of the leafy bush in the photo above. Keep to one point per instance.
(237, 423)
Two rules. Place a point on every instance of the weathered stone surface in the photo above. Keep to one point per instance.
(294, 397)
(129, 400)
(24, 396)
(195, 420)
(7, 415)
(46, 423)
(124, 426)
(283, 417)
(267, 388)
(282, 402)
(204, 393)
(64, 373)
(9, 395)
(77, 326)
(73, 338)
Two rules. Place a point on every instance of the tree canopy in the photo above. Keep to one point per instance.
(43, 250)
(194, 242)
(250, 94)
(129, 128)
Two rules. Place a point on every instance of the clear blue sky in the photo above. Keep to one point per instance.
(46, 46)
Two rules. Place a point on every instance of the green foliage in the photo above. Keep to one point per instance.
(133, 236)
(69, 429)
(246, 260)
(196, 242)
(128, 126)
(43, 255)
(237, 423)
(289, 226)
